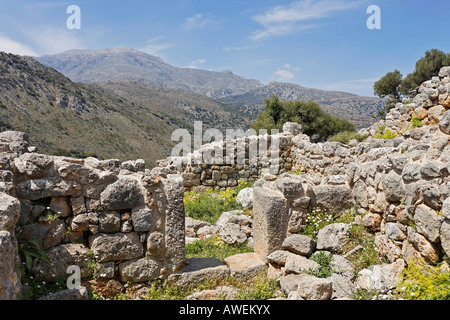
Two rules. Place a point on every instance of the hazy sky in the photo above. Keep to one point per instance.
(323, 44)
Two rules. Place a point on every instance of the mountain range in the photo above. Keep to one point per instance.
(121, 103)
(243, 96)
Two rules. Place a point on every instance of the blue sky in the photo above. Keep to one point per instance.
(321, 44)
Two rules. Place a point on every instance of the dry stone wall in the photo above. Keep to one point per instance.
(116, 213)
(399, 187)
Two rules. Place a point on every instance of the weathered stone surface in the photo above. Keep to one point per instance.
(290, 186)
(332, 237)
(269, 222)
(393, 187)
(235, 216)
(44, 188)
(279, 257)
(9, 212)
(141, 270)
(245, 266)
(9, 279)
(336, 198)
(427, 249)
(445, 236)
(446, 208)
(394, 232)
(125, 193)
(299, 244)
(47, 235)
(79, 294)
(80, 223)
(427, 222)
(174, 222)
(387, 248)
(232, 233)
(312, 288)
(431, 195)
(109, 222)
(343, 287)
(444, 124)
(143, 219)
(61, 257)
(300, 264)
(200, 269)
(219, 293)
(155, 243)
(381, 277)
(116, 247)
(245, 198)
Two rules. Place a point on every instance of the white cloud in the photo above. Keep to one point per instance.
(194, 64)
(11, 46)
(198, 21)
(154, 47)
(56, 40)
(242, 48)
(283, 75)
(286, 19)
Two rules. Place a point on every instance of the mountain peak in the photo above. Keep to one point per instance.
(123, 63)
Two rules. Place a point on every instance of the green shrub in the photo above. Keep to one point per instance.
(315, 122)
(423, 282)
(346, 136)
(209, 205)
(416, 122)
(324, 260)
(359, 235)
(384, 133)
(258, 288)
(214, 247)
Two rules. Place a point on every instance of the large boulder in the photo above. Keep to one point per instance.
(125, 193)
(9, 278)
(245, 198)
(140, 270)
(333, 197)
(197, 270)
(299, 244)
(116, 247)
(444, 124)
(332, 236)
(9, 212)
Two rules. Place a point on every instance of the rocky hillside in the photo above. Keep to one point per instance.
(182, 107)
(129, 64)
(113, 119)
(69, 118)
(244, 96)
(358, 110)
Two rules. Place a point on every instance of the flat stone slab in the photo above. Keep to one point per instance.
(200, 269)
(245, 266)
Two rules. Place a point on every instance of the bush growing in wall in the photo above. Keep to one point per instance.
(316, 123)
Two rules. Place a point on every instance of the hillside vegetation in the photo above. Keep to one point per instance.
(63, 117)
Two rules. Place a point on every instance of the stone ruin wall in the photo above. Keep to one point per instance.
(397, 187)
(121, 215)
(131, 219)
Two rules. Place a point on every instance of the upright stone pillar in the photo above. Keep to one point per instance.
(174, 222)
(270, 221)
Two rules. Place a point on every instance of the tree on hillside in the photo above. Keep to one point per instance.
(388, 86)
(316, 123)
(426, 68)
(394, 87)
